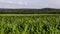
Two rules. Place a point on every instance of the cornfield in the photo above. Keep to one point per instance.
(42, 24)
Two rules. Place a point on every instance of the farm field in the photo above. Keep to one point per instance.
(29, 23)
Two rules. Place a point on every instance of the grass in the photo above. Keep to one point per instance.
(29, 23)
(26, 14)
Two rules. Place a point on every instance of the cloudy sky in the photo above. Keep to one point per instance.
(54, 4)
(29, 3)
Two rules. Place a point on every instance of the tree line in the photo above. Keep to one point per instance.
(30, 11)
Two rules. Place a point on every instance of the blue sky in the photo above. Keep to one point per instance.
(29, 4)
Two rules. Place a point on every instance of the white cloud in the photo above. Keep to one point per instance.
(23, 3)
(5, 1)
(55, 2)
(14, 2)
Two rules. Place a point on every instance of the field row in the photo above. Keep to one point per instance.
(28, 14)
(42, 24)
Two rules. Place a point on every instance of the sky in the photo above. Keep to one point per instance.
(54, 4)
(30, 4)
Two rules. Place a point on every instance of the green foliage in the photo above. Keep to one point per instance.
(44, 24)
(30, 11)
